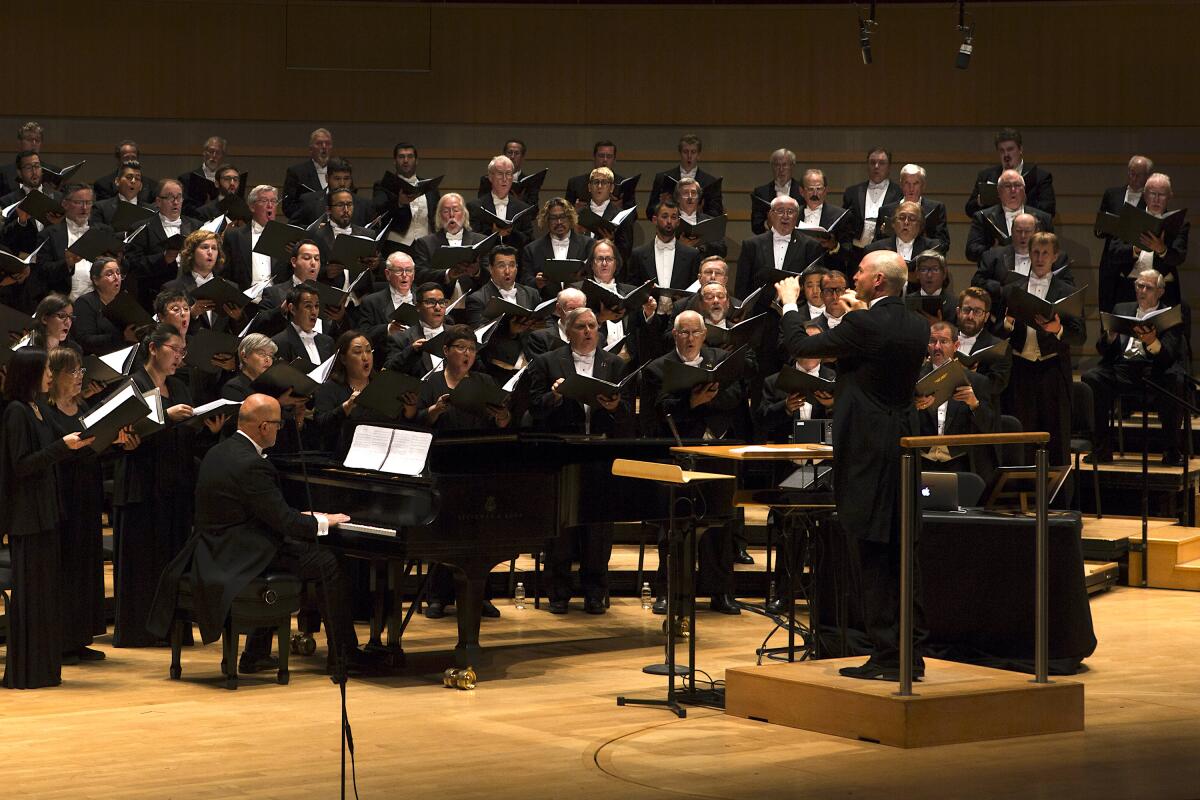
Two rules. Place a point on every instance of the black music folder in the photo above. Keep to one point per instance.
(942, 382)
(276, 237)
(743, 333)
(281, 377)
(474, 394)
(446, 256)
(797, 381)
(678, 376)
(124, 311)
(563, 270)
(1163, 319)
(1025, 307)
(709, 231)
(985, 356)
(383, 394)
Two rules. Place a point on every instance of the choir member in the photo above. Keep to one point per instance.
(997, 262)
(375, 311)
(1039, 184)
(1126, 360)
(1165, 252)
(339, 176)
(783, 183)
(335, 403)
(300, 339)
(153, 489)
(973, 318)
(406, 349)
(21, 231)
(687, 196)
(81, 584)
(932, 280)
(816, 213)
(153, 257)
(908, 233)
(604, 154)
(229, 183)
(94, 332)
(502, 283)
(969, 410)
(436, 410)
(310, 175)
(866, 198)
(993, 225)
(912, 185)
(667, 261)
(196, 191)
(243, 266)
(561, 241)
(130, 188)
(554, 336)
(200, 261)
(412, 214)
(53, 319)
(689, 167)
(1113, 200)
(501, 202)
(29, 138)
(514, 151)
(453, 230)
(63, 270)
(31, 516)
(781, 247)
(600, 202)
(108, 186)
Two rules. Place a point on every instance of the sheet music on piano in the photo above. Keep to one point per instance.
(394, 450)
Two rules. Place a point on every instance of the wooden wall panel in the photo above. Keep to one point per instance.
(1035, 63)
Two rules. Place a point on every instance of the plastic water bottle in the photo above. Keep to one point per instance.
(519, 596)
(647, 597)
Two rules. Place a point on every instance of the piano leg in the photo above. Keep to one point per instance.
(470, 579)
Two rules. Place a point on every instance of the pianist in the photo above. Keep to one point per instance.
(244, 527)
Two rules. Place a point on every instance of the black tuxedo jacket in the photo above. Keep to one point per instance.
(726, 415)
(996, 373)
(1039, 188)
(757, 259)
(384, 200)
(940, 232)
(16, 237)
(144, 259)
(855, 199)
(239, 258)
(960, 419)
(10, 181)
(543, 340)
(997, 263)
(1113, 200)
(879, 353)
(192, 200)
(567, 415)
(920, 245)
(103, 210)
(533, 254)
(1117, 261)
(521, 233)
(1074, 333)
(683, 272)
(186, 283)
(485, 190)
(298, 176)
(241, 523)
(374, 316)
(985, 224)
(291, 348)
(477, 301)
(711, 201)
(52, 258)
(402, 356)
(423, 250)
(775, 421)
(766, 193)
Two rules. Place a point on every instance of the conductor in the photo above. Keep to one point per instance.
(244, 526)
(879, 347)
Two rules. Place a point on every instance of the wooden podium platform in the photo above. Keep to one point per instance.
(953, 703)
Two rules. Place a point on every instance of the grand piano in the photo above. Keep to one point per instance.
(482, 501)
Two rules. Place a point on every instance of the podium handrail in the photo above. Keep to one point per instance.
(973, 439)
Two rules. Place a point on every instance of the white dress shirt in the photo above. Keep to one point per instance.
(429, 333)
(1038, 288)
(398, 299)
(780, 245)
(905, 249)
(81, 278)
(322, 174)
(664, 260)
(782, 191)
(1132, 197)
(688, 173)
(1009, 216)
(812, 216)
(309, 340)
(1021, 263)
(260, 264)
(560, 247)
(832, 322)
(966, 344)
(322, 520)
(501, 204)
(583, 366)
(874, 199)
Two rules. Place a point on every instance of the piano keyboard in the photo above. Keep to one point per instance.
(370, 530)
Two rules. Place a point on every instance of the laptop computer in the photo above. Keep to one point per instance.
(939, 491)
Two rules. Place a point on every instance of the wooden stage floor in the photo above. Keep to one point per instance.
(544, 723)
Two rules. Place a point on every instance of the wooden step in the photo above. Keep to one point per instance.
(1173, 559)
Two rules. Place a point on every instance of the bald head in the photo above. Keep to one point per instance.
(881, 273)
(256, 410)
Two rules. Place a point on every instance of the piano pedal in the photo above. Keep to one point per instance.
(303, 644)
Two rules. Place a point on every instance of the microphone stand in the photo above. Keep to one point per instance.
(339, 676)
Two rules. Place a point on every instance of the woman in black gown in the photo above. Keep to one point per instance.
(335, 403)
(91, 329)
(436, 411)
(82, 551)
(256, 353)
(31, 516)
(153, 490)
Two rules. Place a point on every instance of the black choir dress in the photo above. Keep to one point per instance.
(82, 551)
(31, 516)
(153, 500)
(452, 420)
(333, 425)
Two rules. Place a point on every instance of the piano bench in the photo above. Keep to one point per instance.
(268, 601)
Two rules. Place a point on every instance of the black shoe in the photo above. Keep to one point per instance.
(1102, 456)
(88, 654)
(358, 662)
(435, 610)
(660, 605)
(725, 604)
(874, 671)
(490, 611)
(252, 664)
(776, 606)
(594, 605)
(743, 557)
(558, 606)
(1172, 458)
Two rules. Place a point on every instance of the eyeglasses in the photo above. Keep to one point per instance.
(928, 270)
(110, 273)
(62, 316)
(556, 218)
(435, 303)
(1011, 185)
(400, 270)
(341, 205)
(179, 351)
(499, 174)
(604, 259)
(462, 348)
(177, 309)
(971, 311)
(1145, 287)
(907, 218)
(171, 198)
(74, 373)
(833, 290)
(689, 334)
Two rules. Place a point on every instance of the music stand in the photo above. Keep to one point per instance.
(673, 477)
